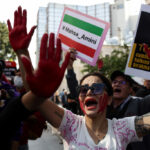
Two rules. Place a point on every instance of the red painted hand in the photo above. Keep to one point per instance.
(48, 76)
(18, 36)
(147, 50)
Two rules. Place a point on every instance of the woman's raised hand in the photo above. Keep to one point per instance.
(48, 76)
(18, 36)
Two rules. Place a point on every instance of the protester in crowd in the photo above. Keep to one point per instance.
(11, 117)
(95, 93)
(144, 90)
(32, 129)
(71, 76)
(71, 79)
(63, 97)
(72, 104)
(33, 126)
(124, 105)
(57, 99)
(18, 82)
(7, 93)
(61, 94)
(122, 89)
(2, 75)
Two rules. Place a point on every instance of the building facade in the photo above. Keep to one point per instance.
(48, 18)
(124, 16)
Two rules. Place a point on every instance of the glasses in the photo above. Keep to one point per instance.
(96, 88)
(119, 82)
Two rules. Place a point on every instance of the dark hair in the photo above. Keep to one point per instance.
(103, 78)
(70, 96)
(118, 73)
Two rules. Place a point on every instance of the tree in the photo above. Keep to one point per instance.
(6, 51)
(115, 61)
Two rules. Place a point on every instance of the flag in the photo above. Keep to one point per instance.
(84, 33)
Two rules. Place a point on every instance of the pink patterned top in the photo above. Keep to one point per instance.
(120, 133)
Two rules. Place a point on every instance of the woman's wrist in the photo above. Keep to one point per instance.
(22, 51)
(31, 101)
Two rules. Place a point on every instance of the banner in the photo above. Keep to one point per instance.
(84, 33)
(138, 61)
(10, 68)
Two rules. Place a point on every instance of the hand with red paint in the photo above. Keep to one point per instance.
(48, 76)
(147, 50)
(18, 36)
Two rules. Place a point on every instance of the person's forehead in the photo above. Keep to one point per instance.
(91, 79)
(120, 78)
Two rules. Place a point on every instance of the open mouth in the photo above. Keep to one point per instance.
(117, 90)
(90, 104)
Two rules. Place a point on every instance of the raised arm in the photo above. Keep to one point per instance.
(19, 38)
(44, 81)
(142, 125)
(72, 82)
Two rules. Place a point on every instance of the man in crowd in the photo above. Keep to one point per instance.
(124, 105)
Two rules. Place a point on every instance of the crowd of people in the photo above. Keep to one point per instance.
(96, 113)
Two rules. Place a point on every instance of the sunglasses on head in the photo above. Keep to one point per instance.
(96, 88)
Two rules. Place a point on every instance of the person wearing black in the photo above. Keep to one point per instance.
(72, 104)
(124, 105)
(10, 119)
(144, 90)
(71, 79)
(72, 82)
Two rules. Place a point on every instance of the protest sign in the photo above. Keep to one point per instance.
(10, 68)
(138, 61)
(84, 33)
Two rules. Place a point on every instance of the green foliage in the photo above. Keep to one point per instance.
(115, 61)
(6, 51)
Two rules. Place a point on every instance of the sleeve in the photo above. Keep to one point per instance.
(144, 105)
(11, 117)
(70, 126)
(72, 82)
(142, 92)
(125, 132)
